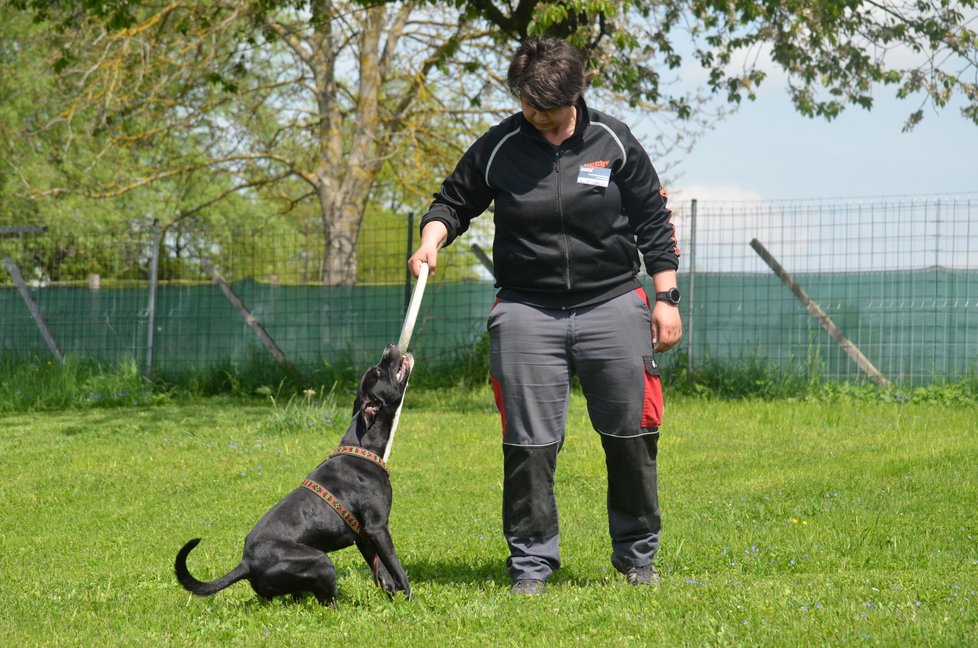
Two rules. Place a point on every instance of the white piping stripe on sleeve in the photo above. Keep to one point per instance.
(493, 154)
(624, 155)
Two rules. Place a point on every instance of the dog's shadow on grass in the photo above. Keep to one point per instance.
(458, 572)
(443, 572)
(495, 574)
(490, 574)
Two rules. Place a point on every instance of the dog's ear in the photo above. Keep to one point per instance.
(368, 411)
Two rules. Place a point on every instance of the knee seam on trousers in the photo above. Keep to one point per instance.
(630, 436)
(531, 445)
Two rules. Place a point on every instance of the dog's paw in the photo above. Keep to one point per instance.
(384, 579)
(392, 588)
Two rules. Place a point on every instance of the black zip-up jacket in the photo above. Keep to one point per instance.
(560, 242)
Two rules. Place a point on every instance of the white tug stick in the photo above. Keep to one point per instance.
(407, 329)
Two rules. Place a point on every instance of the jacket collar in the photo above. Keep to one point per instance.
(583, 121)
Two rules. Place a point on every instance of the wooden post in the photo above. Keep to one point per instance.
(248, 316)
(823, 318)
(25, 294)
(483, 258)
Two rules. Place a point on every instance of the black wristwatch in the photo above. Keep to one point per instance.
(672, 296)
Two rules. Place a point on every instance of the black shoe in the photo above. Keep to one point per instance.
(528, 587)
(646, 575)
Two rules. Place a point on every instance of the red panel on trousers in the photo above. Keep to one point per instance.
(497, 391)
(652, 402)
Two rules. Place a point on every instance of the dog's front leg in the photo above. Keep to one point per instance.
(382, 546)
(381, 576)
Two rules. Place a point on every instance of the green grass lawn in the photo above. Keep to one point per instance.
(785, 523)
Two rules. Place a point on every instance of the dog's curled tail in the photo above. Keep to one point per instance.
(201, 588)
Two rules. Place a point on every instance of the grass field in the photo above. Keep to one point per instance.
(785, 523)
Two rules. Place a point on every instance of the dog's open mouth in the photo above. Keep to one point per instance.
(404, 368)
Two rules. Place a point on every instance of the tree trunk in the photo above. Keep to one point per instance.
(347, 177)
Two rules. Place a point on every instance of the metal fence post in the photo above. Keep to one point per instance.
(154, 264)
(691, 299)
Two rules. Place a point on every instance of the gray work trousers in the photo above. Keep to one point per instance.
(534, 353)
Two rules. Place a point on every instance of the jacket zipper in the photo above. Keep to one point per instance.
(563, 229)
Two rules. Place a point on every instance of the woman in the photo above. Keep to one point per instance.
(576, 201)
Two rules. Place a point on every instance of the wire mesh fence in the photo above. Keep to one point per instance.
(894, 280)
(881, 289)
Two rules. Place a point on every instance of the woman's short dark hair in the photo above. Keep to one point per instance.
(547, 73)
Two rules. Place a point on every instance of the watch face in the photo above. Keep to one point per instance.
(672, 296)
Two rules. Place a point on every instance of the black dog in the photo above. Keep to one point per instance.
(345, 500)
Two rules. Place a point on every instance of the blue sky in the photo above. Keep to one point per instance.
(768, 151)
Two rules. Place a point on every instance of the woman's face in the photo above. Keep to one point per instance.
(548, 121)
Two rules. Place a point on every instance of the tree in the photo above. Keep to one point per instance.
(834, 52)
(336, 103)
(292, 105)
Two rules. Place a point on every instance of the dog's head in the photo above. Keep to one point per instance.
(382, 388)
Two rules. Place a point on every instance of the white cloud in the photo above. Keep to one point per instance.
(712, 193)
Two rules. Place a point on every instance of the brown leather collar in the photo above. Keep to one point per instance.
(334, 504)
(363, 453)
(329, 498)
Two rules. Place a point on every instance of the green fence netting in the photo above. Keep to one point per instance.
(908, 338)
(898, 277)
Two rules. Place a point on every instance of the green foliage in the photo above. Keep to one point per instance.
(35, 384)
(755, 378)
(383, 247)
(311, 410)
(748, 377)
(25, 88)
(206, 125)
(784, 523)
(940, 393)
(118, 113)
(39, 384)
(835, 52)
